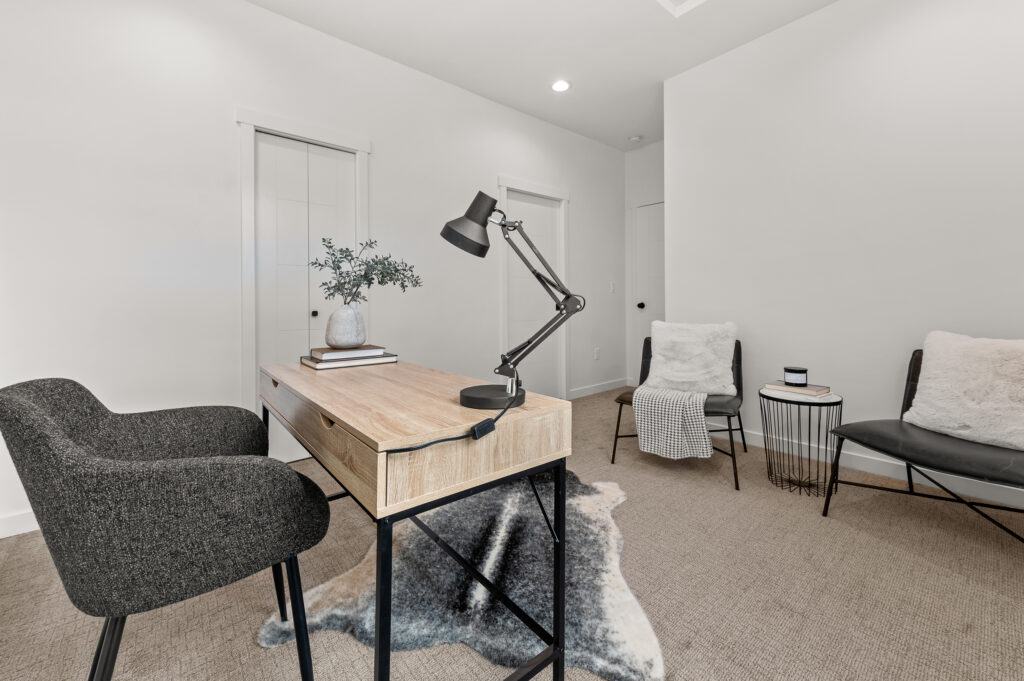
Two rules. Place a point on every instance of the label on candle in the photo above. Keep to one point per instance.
(795, 376)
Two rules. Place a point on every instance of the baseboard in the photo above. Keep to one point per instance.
(18, 523)
(291, 459)
(597, 388)
(878, 464)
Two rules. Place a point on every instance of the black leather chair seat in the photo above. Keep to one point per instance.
(936, 451)
(626, 397)
(716, 405)
(722, 405)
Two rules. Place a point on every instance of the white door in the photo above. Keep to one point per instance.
(648, 267)
(529, 307)
(303, 193)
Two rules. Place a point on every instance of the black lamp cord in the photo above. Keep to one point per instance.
(476, 432)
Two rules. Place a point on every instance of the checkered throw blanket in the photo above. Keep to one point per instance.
(671, 423)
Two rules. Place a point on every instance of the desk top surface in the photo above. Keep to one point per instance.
(390, 406)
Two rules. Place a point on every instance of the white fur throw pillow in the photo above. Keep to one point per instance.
(971, 388)
(694, 358)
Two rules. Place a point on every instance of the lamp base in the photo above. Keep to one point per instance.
(489, 396)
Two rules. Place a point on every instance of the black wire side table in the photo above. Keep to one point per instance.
(798, 442)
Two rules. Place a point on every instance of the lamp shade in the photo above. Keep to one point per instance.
(469, 232)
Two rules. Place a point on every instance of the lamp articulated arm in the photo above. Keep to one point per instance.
(469, 233)
(566, 302)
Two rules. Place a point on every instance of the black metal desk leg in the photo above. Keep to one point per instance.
(558, 667)
(382, 612)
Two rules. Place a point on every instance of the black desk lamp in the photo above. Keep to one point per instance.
(470, 234)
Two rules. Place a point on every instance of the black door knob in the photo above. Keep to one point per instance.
(315, 313)
(641, 306)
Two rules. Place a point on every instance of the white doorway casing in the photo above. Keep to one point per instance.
(524, 306)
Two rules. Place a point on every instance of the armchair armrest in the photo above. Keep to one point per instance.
(151, 533)
(195, 432)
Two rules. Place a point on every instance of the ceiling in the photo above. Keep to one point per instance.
(616, 53)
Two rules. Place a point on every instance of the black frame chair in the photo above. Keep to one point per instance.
(921, 448)
(146, 509)
(716, 405)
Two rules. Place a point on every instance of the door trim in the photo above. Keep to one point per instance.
(249, 123)
(558, 260)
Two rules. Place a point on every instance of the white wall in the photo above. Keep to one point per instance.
(852, 181)
(645, 184)
(645, 175)
(120, 210)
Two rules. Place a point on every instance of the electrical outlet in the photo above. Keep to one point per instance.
(597, 353)
(611, 287)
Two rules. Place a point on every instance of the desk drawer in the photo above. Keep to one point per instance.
(349, 459)
(424, 475)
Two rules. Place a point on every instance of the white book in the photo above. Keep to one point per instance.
(346, 353)
(386, 358)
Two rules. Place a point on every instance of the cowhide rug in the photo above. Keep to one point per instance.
(503, 533)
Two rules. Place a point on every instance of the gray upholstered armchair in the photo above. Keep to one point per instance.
(144, 510)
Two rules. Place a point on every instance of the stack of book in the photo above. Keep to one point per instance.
(807, 392)
(334, 358)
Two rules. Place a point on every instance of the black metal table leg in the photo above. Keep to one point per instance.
(382, 612)
(558, 666)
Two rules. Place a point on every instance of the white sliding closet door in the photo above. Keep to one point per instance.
(304, 193)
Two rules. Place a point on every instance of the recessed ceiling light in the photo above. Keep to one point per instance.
(561, 85)
(636, 138)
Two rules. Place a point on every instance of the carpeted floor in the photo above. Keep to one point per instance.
(738, 585)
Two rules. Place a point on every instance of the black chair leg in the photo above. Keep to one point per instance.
(833, 482)
(106, 652)
(99, 648)
(910, 478)
(279, 590)
(743, 435)
(732, 455)
(615, 444)
(299, 617)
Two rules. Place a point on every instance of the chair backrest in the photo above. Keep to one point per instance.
(737, 365)
(913, 374)
(56, 431)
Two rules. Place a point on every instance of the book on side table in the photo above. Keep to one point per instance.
(809, 389)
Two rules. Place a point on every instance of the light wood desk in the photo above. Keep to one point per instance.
(359, 423)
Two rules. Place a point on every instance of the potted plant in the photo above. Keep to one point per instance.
(352, 272)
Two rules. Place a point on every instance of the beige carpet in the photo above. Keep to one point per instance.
(738, 585)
